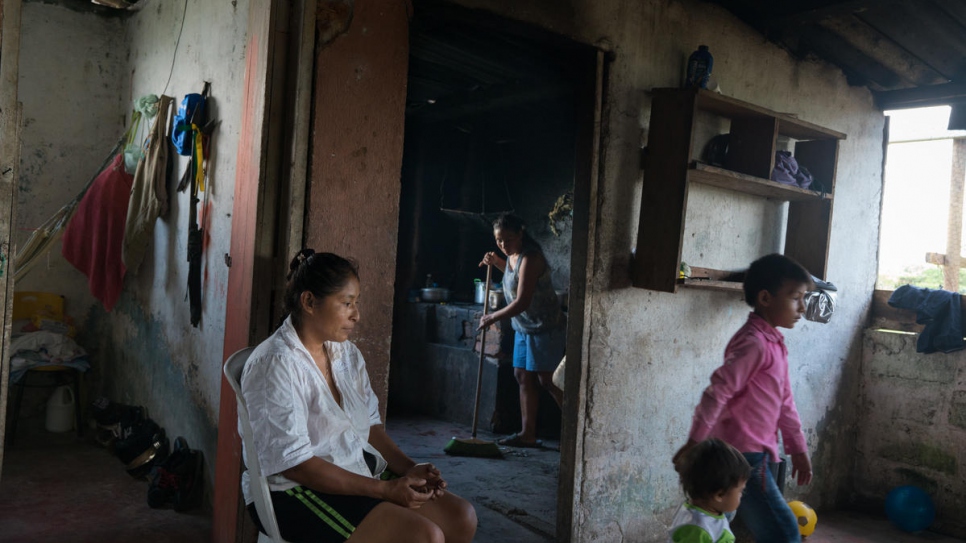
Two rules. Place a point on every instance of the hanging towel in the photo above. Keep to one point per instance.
(93, 237)
(149, 195)
(939, 310)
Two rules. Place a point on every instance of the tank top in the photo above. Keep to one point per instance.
(544, 313)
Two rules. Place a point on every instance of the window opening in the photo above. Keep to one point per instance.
(921, 238)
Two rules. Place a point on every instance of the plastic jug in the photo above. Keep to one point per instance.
(60, 410)
(699, 68)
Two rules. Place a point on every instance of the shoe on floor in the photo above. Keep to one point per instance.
(178, 480)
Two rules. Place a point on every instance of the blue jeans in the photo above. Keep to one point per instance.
(763, 508)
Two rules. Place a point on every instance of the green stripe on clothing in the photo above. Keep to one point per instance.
(328, 509)
(332, 524)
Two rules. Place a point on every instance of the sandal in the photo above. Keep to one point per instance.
(516, 441)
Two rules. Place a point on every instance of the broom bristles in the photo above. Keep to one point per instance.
(472, 447)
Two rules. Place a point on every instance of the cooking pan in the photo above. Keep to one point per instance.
(434, 294)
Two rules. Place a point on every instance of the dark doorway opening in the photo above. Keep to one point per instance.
(497, 120)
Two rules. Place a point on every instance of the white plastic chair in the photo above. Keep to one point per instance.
(258, 484)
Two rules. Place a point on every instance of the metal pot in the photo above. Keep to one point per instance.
(497, 299)
(434, 294)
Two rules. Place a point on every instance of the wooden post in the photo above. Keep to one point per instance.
(248, 275)
(10, 123)
(954, 228)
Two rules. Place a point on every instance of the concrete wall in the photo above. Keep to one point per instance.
(356, 153)
(157, 358)
(79, 81)
(651, 353)
(912, 425)
(73, 86)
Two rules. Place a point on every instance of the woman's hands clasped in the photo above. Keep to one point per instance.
(419, 485)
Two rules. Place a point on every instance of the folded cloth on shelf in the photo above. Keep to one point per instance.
(36, 349)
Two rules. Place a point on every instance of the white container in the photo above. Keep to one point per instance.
(60, 410)
(480, 294)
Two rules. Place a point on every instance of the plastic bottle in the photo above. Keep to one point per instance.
(699, 68)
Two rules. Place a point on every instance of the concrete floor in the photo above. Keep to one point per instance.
(58, 488)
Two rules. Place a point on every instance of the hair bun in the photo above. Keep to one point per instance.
(300, 259)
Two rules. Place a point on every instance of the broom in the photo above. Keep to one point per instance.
(474, 446)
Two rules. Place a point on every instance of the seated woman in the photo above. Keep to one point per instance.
(317, 427)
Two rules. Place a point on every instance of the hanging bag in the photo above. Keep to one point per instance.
(192, 107)
(820, 302)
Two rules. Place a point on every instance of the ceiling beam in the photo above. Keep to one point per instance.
(933, 95)
(799, 12)
(859, 66)
(912, 70)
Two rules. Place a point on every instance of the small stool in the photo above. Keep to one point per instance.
(62, 375)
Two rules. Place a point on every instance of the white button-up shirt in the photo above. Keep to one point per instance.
(294, 415)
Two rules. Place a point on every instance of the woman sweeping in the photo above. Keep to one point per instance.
(538, 322)
(317, 427)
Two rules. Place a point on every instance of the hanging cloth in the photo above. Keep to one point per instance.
(149, 195)
(44, 237)
(93, 237)
(193, 181)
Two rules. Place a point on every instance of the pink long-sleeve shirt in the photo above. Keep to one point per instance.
(750, 397)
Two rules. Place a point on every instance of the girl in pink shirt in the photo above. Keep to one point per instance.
(750, 398)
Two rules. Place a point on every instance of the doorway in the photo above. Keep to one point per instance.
(500, 117)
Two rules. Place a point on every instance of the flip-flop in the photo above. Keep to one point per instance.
(516, 441)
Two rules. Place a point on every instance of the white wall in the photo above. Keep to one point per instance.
(80, 75)
(651, 353)
(159, 358)
(72, 79)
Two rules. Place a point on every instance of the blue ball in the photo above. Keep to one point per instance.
(910, 508)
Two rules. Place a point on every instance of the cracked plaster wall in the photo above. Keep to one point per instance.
(651, 353)
(80, 74)
(912, 425)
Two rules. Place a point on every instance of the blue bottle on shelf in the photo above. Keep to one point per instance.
(699, 68)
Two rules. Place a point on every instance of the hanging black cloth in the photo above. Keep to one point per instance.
(940, 311)
(194, 179)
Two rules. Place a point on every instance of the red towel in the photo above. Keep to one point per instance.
(93, 237)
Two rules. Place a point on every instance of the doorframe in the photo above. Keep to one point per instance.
(591, 99)
(582, 261)
(266, 216)
(11, 116)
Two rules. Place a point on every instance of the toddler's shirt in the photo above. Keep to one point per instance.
(695, 525)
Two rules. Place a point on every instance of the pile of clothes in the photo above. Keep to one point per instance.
(33, 349)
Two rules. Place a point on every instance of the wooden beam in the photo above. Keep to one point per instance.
(910, 68)
(796, 13)
(886, 317)
(954, 225)
(861, 68)
(933, 95)
(10, 125)
(587, 166)
(244, 280)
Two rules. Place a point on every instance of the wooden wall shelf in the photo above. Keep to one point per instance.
(749, 184)
(754, 131)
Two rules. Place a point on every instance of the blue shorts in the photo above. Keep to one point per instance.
(539, 352)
